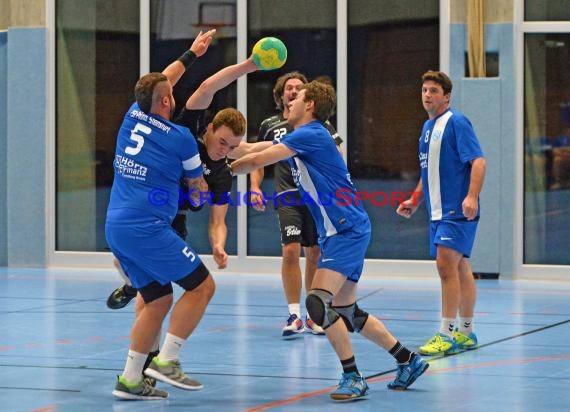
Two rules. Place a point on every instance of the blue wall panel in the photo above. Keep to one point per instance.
(26, 146)
(481, 103)
(3, 142)
(490, 104)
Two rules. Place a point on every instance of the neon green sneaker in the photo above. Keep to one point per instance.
(140, 391)
(439, 344)
(465, 342)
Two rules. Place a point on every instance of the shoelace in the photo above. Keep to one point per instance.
(350, 380)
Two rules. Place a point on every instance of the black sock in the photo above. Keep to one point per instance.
(149, 358)
(349, 365)
(402, 354)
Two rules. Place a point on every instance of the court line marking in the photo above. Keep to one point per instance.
(39, 389)
(430, 359)
(380, 376)
(388, 378)
(434, 358)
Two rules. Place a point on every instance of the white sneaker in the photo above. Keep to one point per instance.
(293, 328)
(312, 327)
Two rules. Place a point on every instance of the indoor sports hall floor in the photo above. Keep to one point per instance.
(61, 348)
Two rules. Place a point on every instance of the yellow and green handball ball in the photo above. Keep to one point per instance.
(269, 53)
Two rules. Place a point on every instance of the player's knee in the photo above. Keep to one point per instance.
(208, 287)
(312, 253)
(354, 318)
(199, 279)
(291, 253)
(318, 305)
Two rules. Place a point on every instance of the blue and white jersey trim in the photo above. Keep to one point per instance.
(434, 181)
(308, 186)
(193, 163)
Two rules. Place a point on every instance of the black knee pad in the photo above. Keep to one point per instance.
(194, 279)
(353, 317)
(318, 305)
(154, 291)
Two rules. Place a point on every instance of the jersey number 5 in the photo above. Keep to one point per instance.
(189, 254)
(133, 151)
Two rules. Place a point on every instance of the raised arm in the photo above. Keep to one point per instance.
(176, 69)
(202, 97)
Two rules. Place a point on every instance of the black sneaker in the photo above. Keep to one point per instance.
(121, 297)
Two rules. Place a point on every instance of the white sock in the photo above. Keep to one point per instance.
(134, 366)
(466, 325)
(295, 309)
(446, 326)
(170, 348)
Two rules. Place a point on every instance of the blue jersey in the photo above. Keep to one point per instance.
(152, 154)
(447, 146)
(321, 176)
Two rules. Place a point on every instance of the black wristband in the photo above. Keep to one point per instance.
(187, 58)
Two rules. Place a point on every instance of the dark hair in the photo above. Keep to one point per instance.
(144, 89)
(440, 78)
(324, 97)
(280, 86)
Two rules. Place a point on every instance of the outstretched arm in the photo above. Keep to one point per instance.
(266, 157)
(202, 97)
(245, 148)
(176, 69)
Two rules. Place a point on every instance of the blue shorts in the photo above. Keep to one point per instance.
(151, 252)
(344, 252)
(458, 235)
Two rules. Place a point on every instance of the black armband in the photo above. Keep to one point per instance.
(187, 58)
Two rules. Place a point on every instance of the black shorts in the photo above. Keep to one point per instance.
(297, 226)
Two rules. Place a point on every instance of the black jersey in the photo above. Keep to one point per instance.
(276, 127)
(216, 172)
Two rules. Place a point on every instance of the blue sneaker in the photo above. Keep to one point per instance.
(407, 374)
(351, 386)
(294, 327)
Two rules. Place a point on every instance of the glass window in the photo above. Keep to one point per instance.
(97, 66)
(547, 148)
(173, 28)
(308, 29)
(547, 10)
(389, 48)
